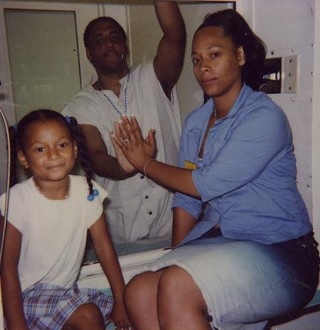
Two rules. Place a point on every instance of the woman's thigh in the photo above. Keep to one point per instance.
(244, 282)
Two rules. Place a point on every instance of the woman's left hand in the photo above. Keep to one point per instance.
(128, 137)
(121, 158)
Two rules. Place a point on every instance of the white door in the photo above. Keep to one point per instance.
(43, 56)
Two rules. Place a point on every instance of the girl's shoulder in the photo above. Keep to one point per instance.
(21, 197)
(79, 185)
(23, 189)
(80, 180)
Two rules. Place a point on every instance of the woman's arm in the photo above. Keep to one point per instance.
(141, 152)
(10, 284)
(109, 262)
(172, 177)
(248, 149)
(183, 222)
(104, 164)
(170, 54)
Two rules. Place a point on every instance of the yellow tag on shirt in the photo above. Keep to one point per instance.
(189, 165)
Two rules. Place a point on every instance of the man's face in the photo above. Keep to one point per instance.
(107, 49)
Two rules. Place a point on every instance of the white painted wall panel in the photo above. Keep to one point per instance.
(287, 28)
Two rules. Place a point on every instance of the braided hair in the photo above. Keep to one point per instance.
(13, 163)
(18, 140)
(235, 27)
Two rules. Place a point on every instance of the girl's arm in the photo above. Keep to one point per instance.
(109, 262)
(11, 290)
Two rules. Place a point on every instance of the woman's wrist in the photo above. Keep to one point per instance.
(146, 164)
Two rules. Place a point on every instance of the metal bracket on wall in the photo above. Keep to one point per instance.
(290, 74)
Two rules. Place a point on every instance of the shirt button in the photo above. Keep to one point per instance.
(150, 212)
(146, 197)
(142, 177)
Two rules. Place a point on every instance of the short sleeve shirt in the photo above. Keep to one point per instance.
(53, 232)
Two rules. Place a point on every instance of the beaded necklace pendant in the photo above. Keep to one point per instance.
(125, 97)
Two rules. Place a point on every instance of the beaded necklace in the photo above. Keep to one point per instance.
(125, 97)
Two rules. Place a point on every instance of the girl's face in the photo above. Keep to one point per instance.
(49, 151)
(217, 62)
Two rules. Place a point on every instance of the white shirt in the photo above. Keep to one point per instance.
(53, 231)
(137, 207)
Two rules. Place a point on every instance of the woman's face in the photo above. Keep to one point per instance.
(217, 62)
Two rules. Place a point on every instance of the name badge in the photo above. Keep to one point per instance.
(189, 165)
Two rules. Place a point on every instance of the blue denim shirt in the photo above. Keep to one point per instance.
(247, 174)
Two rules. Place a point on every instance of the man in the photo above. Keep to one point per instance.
(138, 208)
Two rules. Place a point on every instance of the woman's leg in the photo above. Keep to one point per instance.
(180, 302)
(141, 300)
(166, 299)
(86, 316)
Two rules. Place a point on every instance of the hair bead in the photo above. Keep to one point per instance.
(94, 194)
(68, 119)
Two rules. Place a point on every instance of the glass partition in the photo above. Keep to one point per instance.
(4, 175)
(45, 62)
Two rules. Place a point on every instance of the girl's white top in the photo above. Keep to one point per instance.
(53, 232)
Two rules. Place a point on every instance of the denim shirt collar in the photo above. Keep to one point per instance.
(242, 97)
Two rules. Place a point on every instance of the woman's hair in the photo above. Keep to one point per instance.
(18, 138)
(91, 25)
(235, 27)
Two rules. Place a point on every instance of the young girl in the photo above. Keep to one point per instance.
(49, 216)
(245, 250)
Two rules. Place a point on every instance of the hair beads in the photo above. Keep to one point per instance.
(91, 197)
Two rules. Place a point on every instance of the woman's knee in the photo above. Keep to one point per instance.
(175, 279)
(141, 288)
(134, 288)
(180, 301)
(177, 286)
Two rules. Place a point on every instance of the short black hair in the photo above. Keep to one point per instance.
(91, 25)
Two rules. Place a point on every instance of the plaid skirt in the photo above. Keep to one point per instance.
(48, 306)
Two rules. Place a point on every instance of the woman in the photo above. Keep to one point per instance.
(245, 251)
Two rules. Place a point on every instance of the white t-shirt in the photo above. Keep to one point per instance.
(53, 231)
(137, 207)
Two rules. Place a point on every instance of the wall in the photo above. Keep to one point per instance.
(293, 24)
(287, 27)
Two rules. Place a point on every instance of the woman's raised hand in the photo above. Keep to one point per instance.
(128, 141)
